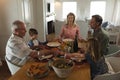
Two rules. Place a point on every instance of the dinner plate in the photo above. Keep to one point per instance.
(77, 59)
(53, 44)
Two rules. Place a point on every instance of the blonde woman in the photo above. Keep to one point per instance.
(70, 29)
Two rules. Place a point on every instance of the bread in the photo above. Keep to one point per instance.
(37, 69)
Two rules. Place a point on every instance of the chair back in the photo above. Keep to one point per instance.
(12, 67)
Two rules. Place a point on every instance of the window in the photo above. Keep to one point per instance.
(98, 7)
(69, 7)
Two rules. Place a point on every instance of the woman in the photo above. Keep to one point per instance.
(70, 29)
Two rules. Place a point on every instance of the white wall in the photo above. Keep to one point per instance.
(8, 13)
(82, 9)
(39, 18)
(11, 10)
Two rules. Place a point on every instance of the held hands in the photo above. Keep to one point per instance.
(33, 54)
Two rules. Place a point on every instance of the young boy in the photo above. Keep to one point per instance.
(34, 43)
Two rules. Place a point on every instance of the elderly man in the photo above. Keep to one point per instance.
(17, 51)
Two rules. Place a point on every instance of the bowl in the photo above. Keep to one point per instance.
(38, 71)
(63, 67)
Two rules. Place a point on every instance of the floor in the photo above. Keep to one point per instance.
(4, 71)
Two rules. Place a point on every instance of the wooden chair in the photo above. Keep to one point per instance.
(12, 67)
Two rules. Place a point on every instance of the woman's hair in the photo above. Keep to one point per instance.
(33, 31)
(71, 14)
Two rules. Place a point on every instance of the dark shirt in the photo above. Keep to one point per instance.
(98, 66)
(103, 40)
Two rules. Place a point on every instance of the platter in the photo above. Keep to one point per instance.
(37, 71)
(53, 44)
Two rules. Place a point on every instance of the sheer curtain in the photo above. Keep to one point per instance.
(116, 13)
(113, 12)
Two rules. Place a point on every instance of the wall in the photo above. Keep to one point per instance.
(39, 18)
(82, 9)
(8, 13)
(11, 10)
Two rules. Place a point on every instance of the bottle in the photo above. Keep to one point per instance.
(75, 43)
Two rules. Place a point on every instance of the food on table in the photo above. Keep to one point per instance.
(38, 70)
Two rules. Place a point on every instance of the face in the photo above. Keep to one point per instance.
(93, 24)
(21, 30)
(34, 36)
(70, 19)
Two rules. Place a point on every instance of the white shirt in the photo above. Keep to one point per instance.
(17, 50)
(35, 42)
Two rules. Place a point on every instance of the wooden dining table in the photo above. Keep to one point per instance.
(81, 71)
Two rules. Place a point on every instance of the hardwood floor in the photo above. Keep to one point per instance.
(4, 71)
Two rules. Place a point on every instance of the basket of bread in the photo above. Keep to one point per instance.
(38, 70)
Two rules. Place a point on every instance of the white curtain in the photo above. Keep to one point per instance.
(113, 11)
(116, 13)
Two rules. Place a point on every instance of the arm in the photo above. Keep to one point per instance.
(19, 49)
(61, 32)
(79, 35)
(104, 45)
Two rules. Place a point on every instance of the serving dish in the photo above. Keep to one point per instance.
(37, 71)
(53, 44)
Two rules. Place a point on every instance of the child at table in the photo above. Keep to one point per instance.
(34, 43)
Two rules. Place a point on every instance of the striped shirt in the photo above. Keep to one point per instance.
(17, 50)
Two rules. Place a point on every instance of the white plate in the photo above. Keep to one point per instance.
(66, 40)
(76, 59)
(45, 57)
(53, 44)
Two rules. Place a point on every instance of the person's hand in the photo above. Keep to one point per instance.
(45, 52)
(42, 47)
(34, 54)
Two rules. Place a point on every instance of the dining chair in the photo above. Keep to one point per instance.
(114, 34)
(12, 67)
(113, 69)
(114, 37)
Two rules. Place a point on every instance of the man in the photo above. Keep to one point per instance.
(100, 38)
(17, 51)
(100, 33)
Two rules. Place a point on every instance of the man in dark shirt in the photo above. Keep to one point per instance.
(98, 65)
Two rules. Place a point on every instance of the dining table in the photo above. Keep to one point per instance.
(81, 71)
